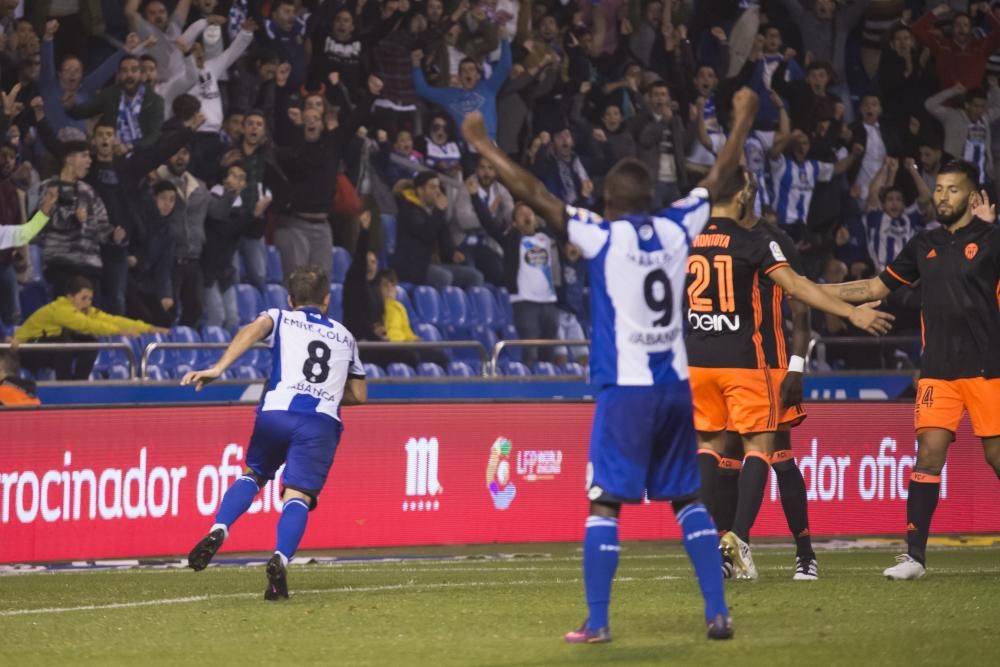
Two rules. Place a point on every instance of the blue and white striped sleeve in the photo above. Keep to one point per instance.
(587, 230)
(690, 213)
(275, 316)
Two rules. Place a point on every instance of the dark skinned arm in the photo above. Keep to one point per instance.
(792, 386)
(744, 111)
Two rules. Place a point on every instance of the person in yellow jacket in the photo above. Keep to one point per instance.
(73, 319)
(397, 325)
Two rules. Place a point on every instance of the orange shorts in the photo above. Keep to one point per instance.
(744, 400)
(940, 404)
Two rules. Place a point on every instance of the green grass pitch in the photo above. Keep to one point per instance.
(508, 611)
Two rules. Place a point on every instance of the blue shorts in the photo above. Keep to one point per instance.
(304, 443)
(643, 443)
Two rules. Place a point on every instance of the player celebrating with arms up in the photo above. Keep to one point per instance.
(643, 441)
(737, 356)
(958, 265)
(315, 370)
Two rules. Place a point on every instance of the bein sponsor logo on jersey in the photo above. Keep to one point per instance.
(716, 322)
(533, 465)
(422, 485)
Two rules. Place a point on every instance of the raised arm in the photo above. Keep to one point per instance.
(784, 133)
(878, 182)
(935, 103)
(863, 317)
(925, 201)
(244, 339)
(520, 182)
(744, 110)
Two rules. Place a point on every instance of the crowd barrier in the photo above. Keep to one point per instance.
(132, 482)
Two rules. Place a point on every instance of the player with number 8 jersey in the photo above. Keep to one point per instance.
(315, 368)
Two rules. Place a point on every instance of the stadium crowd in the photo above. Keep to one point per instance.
(185, 138)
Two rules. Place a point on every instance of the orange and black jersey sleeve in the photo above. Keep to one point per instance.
(959, 276)
(773, 330)
(727, 266)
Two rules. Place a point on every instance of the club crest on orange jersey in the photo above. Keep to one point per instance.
(970, 251)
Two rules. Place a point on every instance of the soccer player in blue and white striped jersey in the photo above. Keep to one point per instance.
(315, 369)
(643, 441)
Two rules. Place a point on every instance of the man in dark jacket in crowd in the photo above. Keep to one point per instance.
(150, 293)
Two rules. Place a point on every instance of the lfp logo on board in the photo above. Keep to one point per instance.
(532, 465)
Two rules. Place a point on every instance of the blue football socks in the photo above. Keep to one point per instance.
(600, 560)
(236, 502)
(701, 540)
(291, 527)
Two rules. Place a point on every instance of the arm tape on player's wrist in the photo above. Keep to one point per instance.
(796, 364)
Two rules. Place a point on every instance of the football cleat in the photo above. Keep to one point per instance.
(720, 627)
(806, 569)
(906, 567)
(205, 550)
(585, 636)
(739, 552)
(277, 580)
(728, 570)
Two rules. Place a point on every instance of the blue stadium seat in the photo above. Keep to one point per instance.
(25, 374)
(274, 272)
(108, 358)
(373, 371)
(398, 370)
(458, 309)
(244, 373)
(404, 298)
(158, 357)
(430, 370)
(389, 228)
(485, 336)
(276, 296)
(427, 302)
(572, 368)
(249, 303)
(460, 369)
(336, 310)
(96, 374)
(183, 357)
(428, 332)
(117, 372)
(544, 368)
(514, 368)
(213, 335)
(505, 310)
(157, 373)
(32, 297)
(341, 263)
(484, 303)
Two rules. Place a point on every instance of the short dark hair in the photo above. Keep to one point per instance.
(425, 177)
(386, 274)
(163, 186)
(278, 3)
(185, 106)
(68, 148)
(629, 187)
(266, 56)
(145, 58)
(731, 184)
(77, 284)
(255, 112)
(468, 60)
(68, 57)
(767, 27)
(308, 286)
(891, 188)
(967, 169)
(974, 94)
(126, 58)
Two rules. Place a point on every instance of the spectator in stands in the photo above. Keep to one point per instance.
(264, 176)
(149, 294)
(709, 133)
(227, 216)
(573, 305)
(761, 73)
(441, 153)
(399, 160)
(206, 142)
(931, 158)
(15, 391)
(904, 80)
(475, 93)
(423, 229)
(530, 262)
(396, 326)
(130, 105)
(339, 48)
(809, 100)
(68, 86)
(363, 308)
(606, 144)
(557, 164)
(967, 130)
(960, 58)
(467, 227)
(73, 319)
(878, 141)
(13, 237)
(71, 244)
(660, 137)
(285, 33)
(890, 223)
(188, 224)
(169, 39)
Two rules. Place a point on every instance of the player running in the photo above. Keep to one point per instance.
(642, 442)
(728, 464)
(315, 370)
(735, 371)
(958, 265)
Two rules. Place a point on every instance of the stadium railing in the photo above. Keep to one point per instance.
(504, 345)
(818, 348)
(475, 346)
(77, 347)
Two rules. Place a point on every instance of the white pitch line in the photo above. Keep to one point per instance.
(315, 591)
